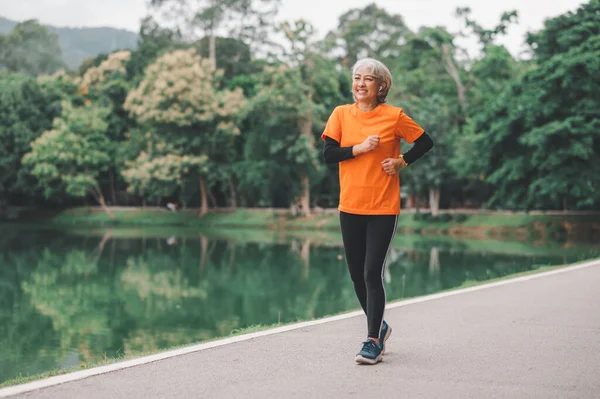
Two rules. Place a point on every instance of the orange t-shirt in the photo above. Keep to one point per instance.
(365, 188)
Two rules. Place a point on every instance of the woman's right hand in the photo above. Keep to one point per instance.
(369, 144)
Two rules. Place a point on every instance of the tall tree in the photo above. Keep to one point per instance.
(32, 49)
(27, 109)
(179, 100)
(106, 85)
(69, 158)
(279, 156)
(429, 92)
(367, 32)
(153, 41)
(300, 36)
(540, 137)
(246, 20)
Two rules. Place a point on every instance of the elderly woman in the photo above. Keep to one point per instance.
(364, 138)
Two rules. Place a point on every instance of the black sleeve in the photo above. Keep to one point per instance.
(333, 153)
(422, 145)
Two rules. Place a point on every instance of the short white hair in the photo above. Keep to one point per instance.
(381, 73)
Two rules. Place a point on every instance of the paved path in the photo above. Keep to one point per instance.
(535, 338)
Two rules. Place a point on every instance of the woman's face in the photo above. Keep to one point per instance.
(365, 85)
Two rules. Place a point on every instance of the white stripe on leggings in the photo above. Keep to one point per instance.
(382, 270)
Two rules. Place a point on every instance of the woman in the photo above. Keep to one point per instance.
(364, 138)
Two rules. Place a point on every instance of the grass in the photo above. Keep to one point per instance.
(251, 329)
(481, 225)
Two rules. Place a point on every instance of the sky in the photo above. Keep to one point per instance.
(323, 14)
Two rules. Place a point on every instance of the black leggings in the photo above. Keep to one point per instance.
(367, 239)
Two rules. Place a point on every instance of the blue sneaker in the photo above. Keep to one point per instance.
(370, 353)
(384, 334)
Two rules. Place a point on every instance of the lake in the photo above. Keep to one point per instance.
(76, 296)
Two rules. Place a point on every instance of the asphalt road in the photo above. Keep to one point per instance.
(538, 338)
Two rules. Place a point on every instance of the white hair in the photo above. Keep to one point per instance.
(381, 73)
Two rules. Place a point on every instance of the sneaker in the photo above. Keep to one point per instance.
(370, 353)
(384, 334)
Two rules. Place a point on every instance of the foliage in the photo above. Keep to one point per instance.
(179, 89)
(161, 176)
(540, 137)
(367, 32)
(205, 113)
(69, 158)
(27, 109)
(30, 49)
(276, 152)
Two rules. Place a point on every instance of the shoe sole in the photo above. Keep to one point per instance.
(363, 360)
(387, 336)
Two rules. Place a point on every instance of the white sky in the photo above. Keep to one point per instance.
(323, 14)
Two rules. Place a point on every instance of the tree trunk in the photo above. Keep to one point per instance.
(305, 199)
(434, 201)
(211, 199)
(113, 191)
(203, 197)
(451, 69)
(102, 203)
(182, 197)
(212, 47)
(306, 131)
(232, 193)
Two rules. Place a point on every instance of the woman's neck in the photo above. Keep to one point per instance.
(367, 106)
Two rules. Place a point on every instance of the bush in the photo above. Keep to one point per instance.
(460, 218)
(443, 218)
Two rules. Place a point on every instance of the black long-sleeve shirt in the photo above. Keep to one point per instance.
(333, 153)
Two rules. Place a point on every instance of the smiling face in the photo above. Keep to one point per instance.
(365, 85)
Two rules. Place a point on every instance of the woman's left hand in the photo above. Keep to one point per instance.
(392, 166)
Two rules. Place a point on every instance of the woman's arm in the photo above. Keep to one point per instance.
(422, 145)
(333, 153)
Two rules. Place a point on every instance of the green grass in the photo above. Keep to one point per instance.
(321, 221)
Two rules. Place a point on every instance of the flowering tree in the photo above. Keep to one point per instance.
(180, 101)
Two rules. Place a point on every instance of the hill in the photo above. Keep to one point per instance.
(77, 44)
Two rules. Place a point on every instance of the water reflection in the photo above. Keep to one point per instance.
(68, 298)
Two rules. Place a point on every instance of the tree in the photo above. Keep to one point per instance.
(430, 90)
(179, 100)
(246, 19)
(367, 32)
(233, 56)
(30, 49)
(540, 137)
(279, 156)
(161, 176)
(153, 41)
(27, 109)
(302, 55)
(486, 37)
(69, 158)
(106, 85)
